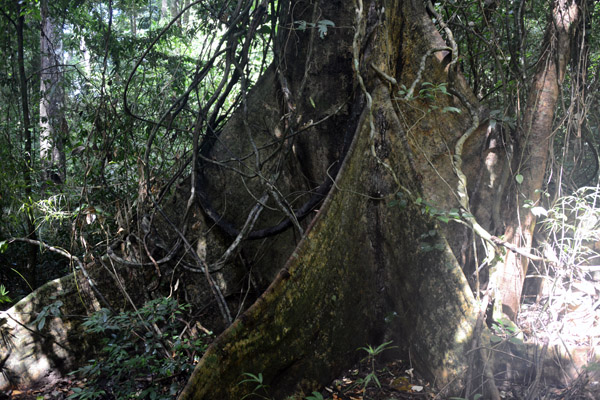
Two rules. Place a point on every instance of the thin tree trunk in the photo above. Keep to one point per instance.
(535, 140)
(87, 62)
(133, 21)
(28, 158)
(186, 16)
(53, 125)
(164, 9)
(175, 7)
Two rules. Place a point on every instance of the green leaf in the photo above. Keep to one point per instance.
(41, 323)
(252, 378)
(301, 25)
(515, 340)
(592, 367)
(495, 339)
(519, 178)
(439, 246)
(376, 379)
(315, 396)
(451, 109)
(454, 213)
(265, 29)
(425, 247)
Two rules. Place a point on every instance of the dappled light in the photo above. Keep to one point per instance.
(300, 199)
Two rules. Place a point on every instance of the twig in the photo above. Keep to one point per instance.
(223, 308)
(111, 254)
(71, 257)
(519, 251)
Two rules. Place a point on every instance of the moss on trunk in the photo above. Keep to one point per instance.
(359, 262)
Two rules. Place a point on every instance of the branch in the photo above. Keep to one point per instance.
(111, 254)
(214, 288)
(300, 213)
(519, 251)
(71, 258)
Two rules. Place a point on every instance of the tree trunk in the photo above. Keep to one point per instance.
(53, 125)
(534, 141)
(361, 259)
(175, 7)
(27, 140)
(186, 16)
(164, 9)
(87, 62)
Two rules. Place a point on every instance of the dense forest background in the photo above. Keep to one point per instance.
(89, 112)
(170, 155)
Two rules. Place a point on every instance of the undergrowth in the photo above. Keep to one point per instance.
(145, 354)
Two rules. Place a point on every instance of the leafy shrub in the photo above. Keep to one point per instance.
(144, 354)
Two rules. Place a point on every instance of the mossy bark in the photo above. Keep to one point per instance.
(358, 263)
(363, 260)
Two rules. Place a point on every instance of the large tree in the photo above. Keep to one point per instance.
(378, 105)
(376, 179)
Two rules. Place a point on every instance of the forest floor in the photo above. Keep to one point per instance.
(394, 380)
(398, 382)
(569, 320)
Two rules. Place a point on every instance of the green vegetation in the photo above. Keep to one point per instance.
(160, 62)
(143, 354)
(372, 353)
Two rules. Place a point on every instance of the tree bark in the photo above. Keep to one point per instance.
(27, 140)
(164, 9)
(358, 263)
(402, 148)
(53, 125)
(534, 141)
(360, 260)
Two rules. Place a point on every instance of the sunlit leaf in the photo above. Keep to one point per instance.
(451, 109)
(519, 178)
(538, 211)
